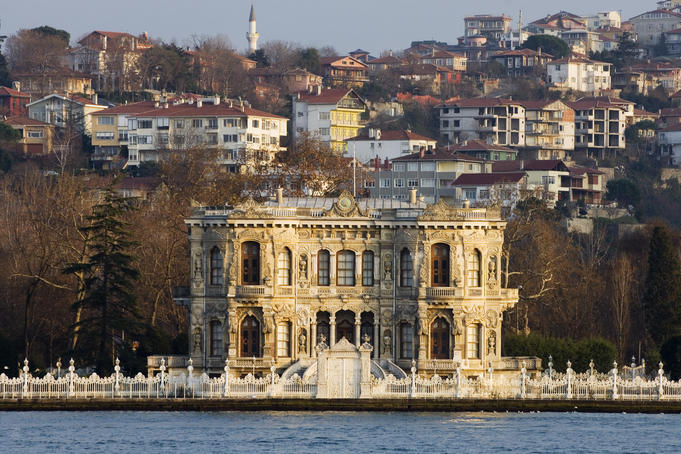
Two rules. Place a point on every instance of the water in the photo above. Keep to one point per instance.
(337, 432)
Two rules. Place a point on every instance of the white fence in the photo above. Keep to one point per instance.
(613, 385)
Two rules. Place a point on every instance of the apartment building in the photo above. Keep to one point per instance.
(548, 178)
(386, 144)
(497, 121)
(344, 72)
(483, 150)
(64, 111)
(599, 125)
(579, 73)
(430, 172)
(242, 134)
(651, 25)
(333, 115)
(549, 129)
(493, 27)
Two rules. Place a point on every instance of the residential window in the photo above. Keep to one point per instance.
(398, 167)
(323, 267)
(440, 265)
(179, 124)
(215, 338)
(406, 269)
(250, 258)
(399, 182)
(255, 123)
(368, 268)
(345, 268)
(230, 138)
(197, 123)
(105, 120)
(163, 139)
(231, 122)
(284, 340)
(412, 183)
(427, 167)
(412, 167)
(473, 341)
(216, 266)
(163, 123)
(474, 269)
(144, 124)
(284, 267)
(212, 123)
(548, 179)
(457, 123)
(39, 135)
(406, 340)
(484, 194)
(445, 124)
(469, 194)
(122, 136)
(385, 182)
(145, 140)
(324, 115)
(211, 139)
(428, 182)
(324, 131)
(593, 179)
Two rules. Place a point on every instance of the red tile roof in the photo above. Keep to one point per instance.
(206, 110)
(487, 179)
(481, 102)
(330, 60)
(327, 96)
(522, 52)
(671, 128)
(6, 91)
(387, 60)
(438, 154)
(131, 108)
(479, 145)
(19, 120)
(576, 171)
(392, 135)
(529, 164)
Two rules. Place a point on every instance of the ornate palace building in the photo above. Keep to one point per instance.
(272, 281)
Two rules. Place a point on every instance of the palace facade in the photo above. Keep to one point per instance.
(272, 281)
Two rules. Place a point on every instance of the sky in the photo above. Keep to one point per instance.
(373, 25)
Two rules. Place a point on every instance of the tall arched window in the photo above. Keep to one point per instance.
(215, 338)
(406, 340)
(284, 267)
(216, 266)
(284, 340)
(473, 341)
(439, 339)
(250, 337)
(250, 257)
(406, 269)
(474, 269)
(439, 257)
(323, 267)
(345, 268)
(368, 268)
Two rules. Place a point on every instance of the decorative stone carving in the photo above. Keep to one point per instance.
(345, 206)
(491, 319)
(492, 343)
(439, 211)
(302, 267)
(198, 265)
(492, 271)
(387, 267)
(302, 341)
(250, 209)
(387, 341)
(197, 340)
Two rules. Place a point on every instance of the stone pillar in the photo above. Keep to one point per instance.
(313, 337)
(322, 378)
(377, 341)
(422, 333)
(332, 329)
(358, 326)
(365, 377)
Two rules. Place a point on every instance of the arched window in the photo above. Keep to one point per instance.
(250, 257)
(284, 340)
(323, 267)
(368, 268)
(216, 266)
(439, 257)
(345, 268)
(406, 269)
(215, 338)
(284, 267)
(406, 340)
(250, 337)
(473, 341)
(474, 269)
(439, 339)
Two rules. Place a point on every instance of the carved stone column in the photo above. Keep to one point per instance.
(358, 326)
(377, 342)
(332, 329)
(422, 332)
(313, 336)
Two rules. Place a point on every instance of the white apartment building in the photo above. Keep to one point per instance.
(334, 115)
(599, 125)
(497, 121)
(549, 128)
(603, 19)
(241, 133)
(386, 144)
(669, 144)
(580, 74)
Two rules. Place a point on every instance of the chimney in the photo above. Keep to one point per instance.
(422, 152)
(155, 103)
(377, 164)
(390, 53)
(319, 89)
(539, 51)
(165, 105)
(280, 195)
(16, 85)
(199, 103)
(94, 98)
(466, 203)
(412, 196)
(216, 100)
(372, 133)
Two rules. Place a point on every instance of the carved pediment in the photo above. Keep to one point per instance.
(345, 206)
(343, 345)
(439, 211)
(249, 209)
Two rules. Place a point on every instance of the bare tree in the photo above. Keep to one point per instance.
(34, 52)
(623, 283)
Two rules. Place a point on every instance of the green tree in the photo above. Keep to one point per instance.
(662, 297)
(624, 191)
(46, 30)
(660, 48)
(4, 72)
(309, 59)
(108, 303)
(549, 44)
(260, 58)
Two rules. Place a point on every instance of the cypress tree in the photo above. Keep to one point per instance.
(107, 303)
(662, 297)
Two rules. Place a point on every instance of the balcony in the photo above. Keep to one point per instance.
(444, 292)
(176, 361)
(250, 363)
(252, 291)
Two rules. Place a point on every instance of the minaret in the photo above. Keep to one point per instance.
(252, 36)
